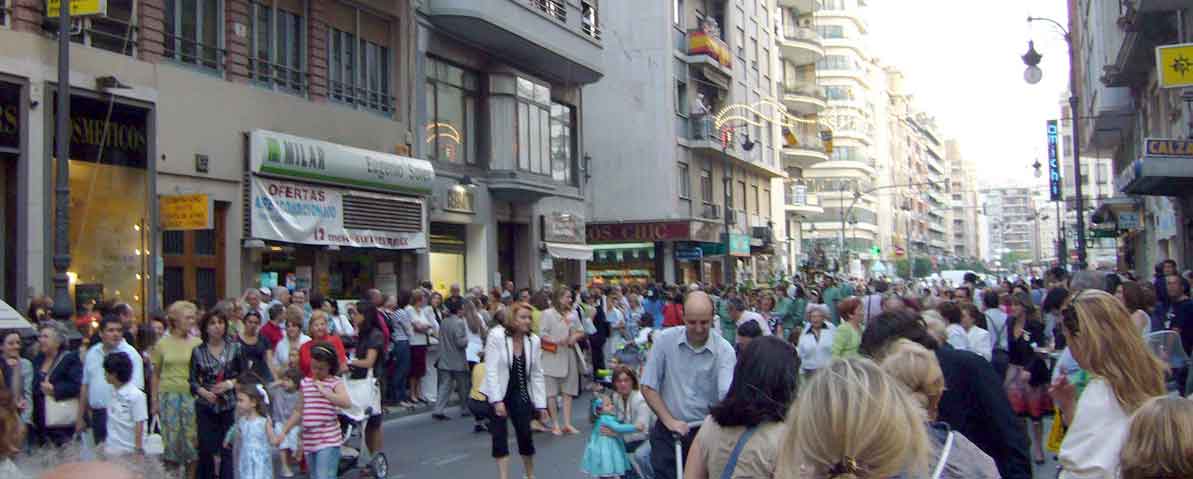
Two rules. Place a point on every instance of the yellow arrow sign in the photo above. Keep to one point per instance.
(1175, 65)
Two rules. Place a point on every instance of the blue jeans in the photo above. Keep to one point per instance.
(398, 385)
(324, 463)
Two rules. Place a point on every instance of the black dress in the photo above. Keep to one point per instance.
(254, 356)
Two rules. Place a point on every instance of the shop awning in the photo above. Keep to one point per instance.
(1163, 170)
(10, 319)
(569, 251)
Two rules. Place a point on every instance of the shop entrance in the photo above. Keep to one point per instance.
(194, 262)
(10, 144)
(448, 249)
(510, 237)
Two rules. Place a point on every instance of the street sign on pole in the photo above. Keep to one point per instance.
(78, 8)
(1174, 63)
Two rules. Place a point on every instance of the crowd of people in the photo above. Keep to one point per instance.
(813, 377)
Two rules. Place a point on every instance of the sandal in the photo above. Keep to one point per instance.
(571, 430)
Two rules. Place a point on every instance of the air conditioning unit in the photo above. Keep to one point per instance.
(711, 212)
(730, 216)
(762, 232)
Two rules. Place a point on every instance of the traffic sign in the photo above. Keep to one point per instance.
(78, 8)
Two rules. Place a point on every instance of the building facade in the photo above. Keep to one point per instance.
(1011, 221)
(196, 125)
(963, 188)
(1125, 106)
(500, 104)
(841, 237)
(669, 181)
(229, 144)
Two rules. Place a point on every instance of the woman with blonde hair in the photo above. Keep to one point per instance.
(561, 331)
(174, 400)
(1125, 374)
(860, 423)
(919, 371)
(1160, 441)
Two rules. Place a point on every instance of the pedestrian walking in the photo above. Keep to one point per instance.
(253, 434)
(323, 395)
(215, 370)
(514, 387)
(453, 359)
(1125, 374)
(743, 433)
(852, 420)
(687, 371)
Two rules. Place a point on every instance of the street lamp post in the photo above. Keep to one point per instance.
(1033, 75)
(63, 309)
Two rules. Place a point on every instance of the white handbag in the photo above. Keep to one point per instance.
(61, 413)
(366, 397)
(153, 445)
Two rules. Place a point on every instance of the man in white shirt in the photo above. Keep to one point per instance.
(127, 410)
(96, 392)
(739, 315)
(252, 299)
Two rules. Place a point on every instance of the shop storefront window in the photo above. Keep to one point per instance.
(447, 256)
(10, 142)
(193, 32)
(451, 111)
(622, 263)
(108, 202)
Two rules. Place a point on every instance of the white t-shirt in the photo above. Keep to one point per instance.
(126, 411)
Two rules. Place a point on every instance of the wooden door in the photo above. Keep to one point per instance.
(194, 263)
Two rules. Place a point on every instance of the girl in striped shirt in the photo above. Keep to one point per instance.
(322, 397)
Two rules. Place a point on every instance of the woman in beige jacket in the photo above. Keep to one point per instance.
(561, 331)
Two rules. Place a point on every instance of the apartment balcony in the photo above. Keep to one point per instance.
(804, 98)
(806, 150)
(1146, 25)
(710, 55)
(799, 202)
(852, 14)
(799, 46)
(801, 5)
(702, 138)
(852, 134)
(559, 40)
(1113, 112)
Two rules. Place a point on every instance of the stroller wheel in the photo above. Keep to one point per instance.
(380, 466)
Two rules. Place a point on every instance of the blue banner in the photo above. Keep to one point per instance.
(1053, 164)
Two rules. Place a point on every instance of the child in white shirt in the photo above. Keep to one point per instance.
(127, 411)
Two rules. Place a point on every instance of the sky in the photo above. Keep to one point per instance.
(961, 63)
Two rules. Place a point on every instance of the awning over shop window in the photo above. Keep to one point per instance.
(569, 251)
(10, 319)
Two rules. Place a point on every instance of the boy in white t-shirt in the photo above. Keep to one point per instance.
(127, 411)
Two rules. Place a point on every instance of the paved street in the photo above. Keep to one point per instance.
(420, 447)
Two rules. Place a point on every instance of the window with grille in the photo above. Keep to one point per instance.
(359, 59)
(192, 32)
(278, 44)
(114, 32)
(452, 98)
(830, 31)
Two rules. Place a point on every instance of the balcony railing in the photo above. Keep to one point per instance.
(554, 8)
(797, 195)
(806, 137)
(799, 34)
(701, 43)
(805, 89)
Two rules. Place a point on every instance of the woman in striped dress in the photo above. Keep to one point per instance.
(322, 396)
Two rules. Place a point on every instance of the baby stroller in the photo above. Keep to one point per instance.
(371, 464)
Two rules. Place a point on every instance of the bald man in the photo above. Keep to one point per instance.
(688, 371)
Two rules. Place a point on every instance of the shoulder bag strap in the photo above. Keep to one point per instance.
(731, 464)
(944, 456)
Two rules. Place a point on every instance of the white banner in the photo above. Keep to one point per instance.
(312, 214)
